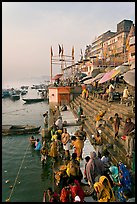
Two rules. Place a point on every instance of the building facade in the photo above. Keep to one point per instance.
(110, 47)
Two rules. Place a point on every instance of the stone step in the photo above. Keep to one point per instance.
(108, 137)
(108, 131)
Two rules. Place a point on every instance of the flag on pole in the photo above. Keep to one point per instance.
(51, 52)
(60, 50)
(73, 53)
(81, 55)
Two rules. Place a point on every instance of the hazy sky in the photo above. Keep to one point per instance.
(29, 29)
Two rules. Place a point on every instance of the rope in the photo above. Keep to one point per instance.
(13, 111)
(18, 173)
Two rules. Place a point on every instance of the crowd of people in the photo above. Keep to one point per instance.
(110, 183)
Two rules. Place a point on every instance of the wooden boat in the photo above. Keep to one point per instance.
(5, 93)
(15, 97)
(19, 129)
(33, 100)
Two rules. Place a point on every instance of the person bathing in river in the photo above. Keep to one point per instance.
(32, 141)
(38, 145)
(44, 153)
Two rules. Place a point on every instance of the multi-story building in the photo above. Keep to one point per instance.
(110, 47)
(130, 45)
(114, 48)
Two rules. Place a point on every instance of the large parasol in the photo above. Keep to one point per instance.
(123, 68)
(109, 75)
(129, 77)
(99, 76)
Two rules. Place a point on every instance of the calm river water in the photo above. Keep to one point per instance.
(21, 165)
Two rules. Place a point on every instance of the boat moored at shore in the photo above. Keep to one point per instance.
(19, 129)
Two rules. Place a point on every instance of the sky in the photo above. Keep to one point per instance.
(29, 29)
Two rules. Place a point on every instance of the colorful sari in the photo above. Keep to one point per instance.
(126, 182)
(78, 144)
(105, 193)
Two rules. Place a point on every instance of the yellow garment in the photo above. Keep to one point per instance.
(54, 137)
(98, 118)
(53, 149)
(105, 193)
(78, 144)
(84, 90)
(59, 131)
(72, 169)
(100, 115)
(98, 186)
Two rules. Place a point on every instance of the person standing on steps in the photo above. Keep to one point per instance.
(79, 112)
(111, 90)
(65, 139)
(116, 124)
(129, 132)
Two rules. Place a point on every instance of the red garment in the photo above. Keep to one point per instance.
(77, 190)
(54, 198)
(65, 195)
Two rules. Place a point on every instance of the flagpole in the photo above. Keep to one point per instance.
(51, 65)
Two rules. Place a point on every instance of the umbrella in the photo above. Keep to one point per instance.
(95, 72)
(99, 76)
(88, 81)
(129, 77)
(108, 76)
(123, 68)
(132, 65)
(57, 76)
(85, 78)
(109, 69)
(80, 75)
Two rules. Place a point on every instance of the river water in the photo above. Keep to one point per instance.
(21, 164)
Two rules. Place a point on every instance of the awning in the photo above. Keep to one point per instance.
(57, 76)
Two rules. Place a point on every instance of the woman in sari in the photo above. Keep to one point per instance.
(73, 168)
(104, 190)
(125, 181)
(76, 190)
(53, 149)
(78, 145)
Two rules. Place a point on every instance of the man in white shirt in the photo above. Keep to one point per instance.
(110, 94)
(59, 123)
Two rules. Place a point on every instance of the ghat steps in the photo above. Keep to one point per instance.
(91, 108)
